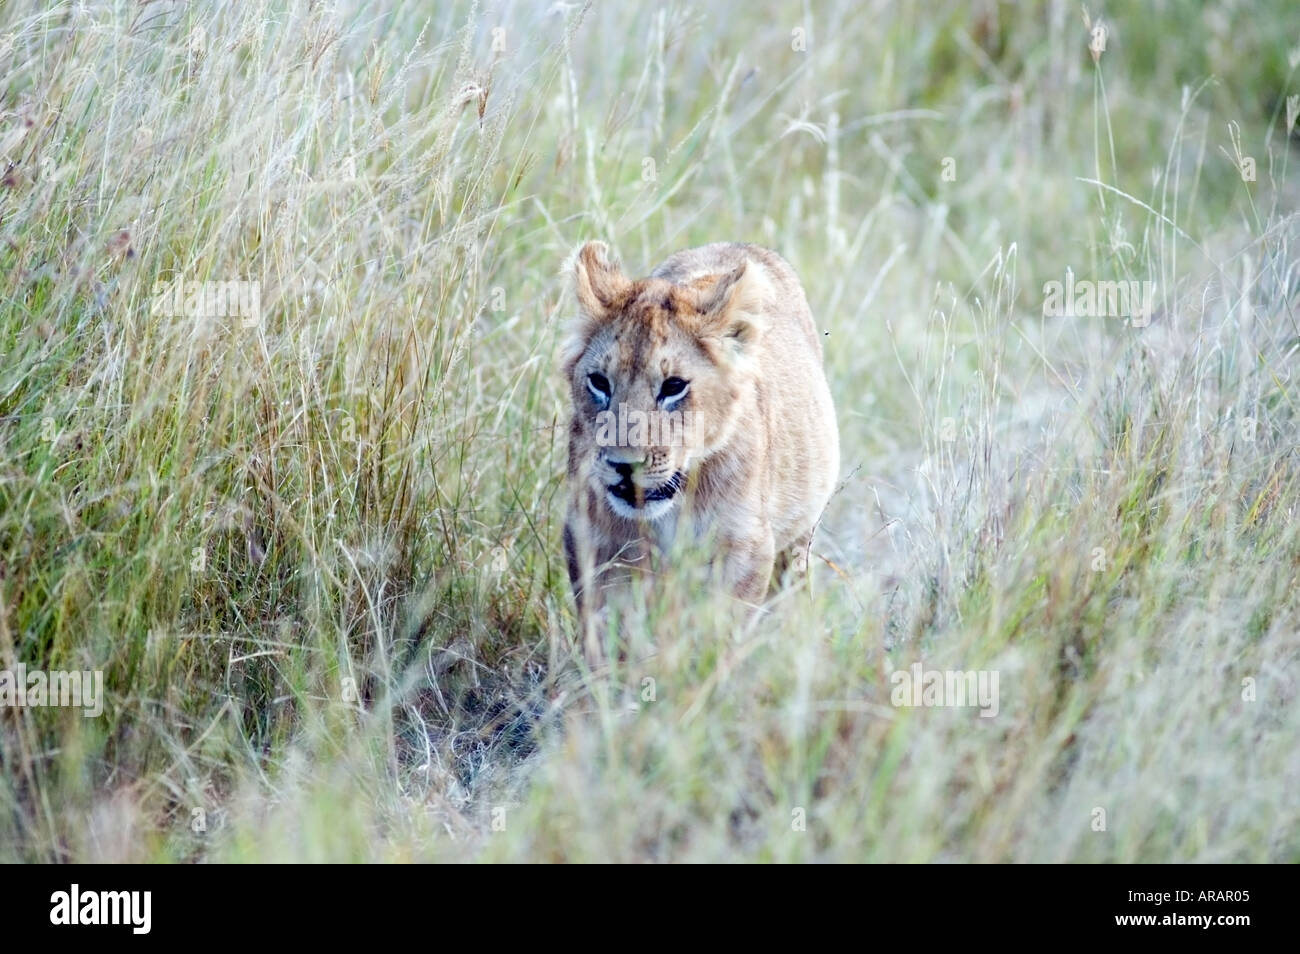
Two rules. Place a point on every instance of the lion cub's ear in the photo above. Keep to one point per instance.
(601, 289)
(733, 309)
(597, 281)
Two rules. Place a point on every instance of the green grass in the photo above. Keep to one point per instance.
(318, 558)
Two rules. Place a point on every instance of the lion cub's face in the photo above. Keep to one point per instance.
(656, 372)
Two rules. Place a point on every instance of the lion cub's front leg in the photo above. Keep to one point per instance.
(747, 566)
(598, 564)
(588, 593)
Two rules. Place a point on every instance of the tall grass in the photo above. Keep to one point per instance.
(317, 555)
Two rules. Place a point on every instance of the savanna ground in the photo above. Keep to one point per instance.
(317, 557)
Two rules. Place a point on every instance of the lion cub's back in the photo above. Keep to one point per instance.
(803, 439)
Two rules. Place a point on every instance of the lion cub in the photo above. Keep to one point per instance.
(699, 405)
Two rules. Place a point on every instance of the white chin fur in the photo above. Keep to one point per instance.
(653, 509)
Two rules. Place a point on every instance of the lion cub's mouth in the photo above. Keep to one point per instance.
(627, 492)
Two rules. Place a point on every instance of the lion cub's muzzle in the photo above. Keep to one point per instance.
(633, 489)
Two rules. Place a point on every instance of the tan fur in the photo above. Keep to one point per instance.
(762, 458)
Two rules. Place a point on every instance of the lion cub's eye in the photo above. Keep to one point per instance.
(598, 385)
(672, 388)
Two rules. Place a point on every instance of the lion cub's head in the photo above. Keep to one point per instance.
(661, 375)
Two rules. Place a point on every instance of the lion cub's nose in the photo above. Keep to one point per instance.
(624, 465)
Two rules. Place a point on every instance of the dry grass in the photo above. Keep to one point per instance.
(317, 557)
